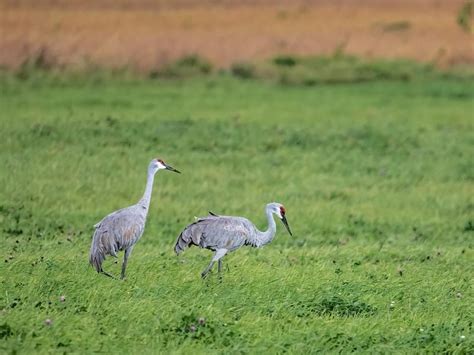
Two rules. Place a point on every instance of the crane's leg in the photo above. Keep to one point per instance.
(217, 256)
(219, 266)
(208, 269)
(219, 269)
(125, 260)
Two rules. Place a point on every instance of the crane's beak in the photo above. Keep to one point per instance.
(285, 222)
(170, 168)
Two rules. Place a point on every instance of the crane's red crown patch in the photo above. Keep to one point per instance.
(282, 210)
(161, 161)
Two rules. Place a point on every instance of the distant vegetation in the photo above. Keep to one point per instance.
(187, 66)
(466, 16)
(292, 70)
(150, 35)
(284, 69)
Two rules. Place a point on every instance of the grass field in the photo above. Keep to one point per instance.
(377, 179)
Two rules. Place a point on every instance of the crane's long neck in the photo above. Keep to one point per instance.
(145, 200)
(262, 238)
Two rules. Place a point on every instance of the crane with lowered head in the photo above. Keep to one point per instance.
(223, 234)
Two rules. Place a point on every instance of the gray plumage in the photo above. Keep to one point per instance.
(122, 229)
(223, 234)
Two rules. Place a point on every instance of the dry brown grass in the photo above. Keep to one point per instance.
(146, 34)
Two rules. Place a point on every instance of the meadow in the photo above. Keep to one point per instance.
(376, 176)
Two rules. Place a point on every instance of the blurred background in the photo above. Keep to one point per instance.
(145, 35)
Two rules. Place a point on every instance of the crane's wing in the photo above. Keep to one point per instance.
(215, 232)
(117, 231)
(110, 216)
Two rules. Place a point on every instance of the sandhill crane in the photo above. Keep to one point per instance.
(223, 234)
(121, 229)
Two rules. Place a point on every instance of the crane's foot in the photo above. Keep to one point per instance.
(107, 274)
(204, 274)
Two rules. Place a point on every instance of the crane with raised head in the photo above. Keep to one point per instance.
(223, 234)
(122, 229)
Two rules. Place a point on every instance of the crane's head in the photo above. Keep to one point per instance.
(280, 211)
(158, 164)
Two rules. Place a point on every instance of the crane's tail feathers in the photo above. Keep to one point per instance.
(102, 245)
(96, 261)
(189, 236)
(180, 245)
(182, 242)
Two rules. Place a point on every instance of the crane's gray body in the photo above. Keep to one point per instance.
(217, 232)
(223, 234)
(118, 231)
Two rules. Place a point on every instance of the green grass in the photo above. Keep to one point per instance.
(377, 179)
